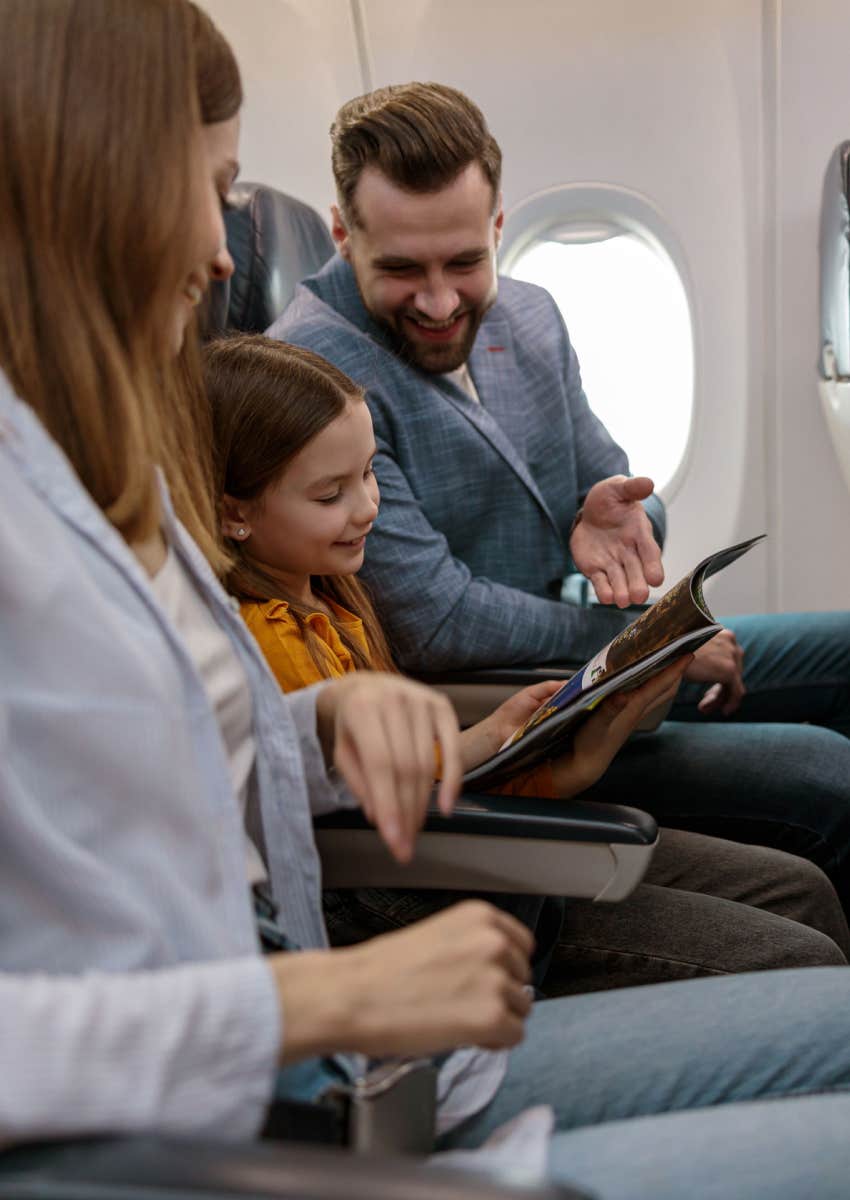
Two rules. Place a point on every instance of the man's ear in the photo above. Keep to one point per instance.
(339, 233)
(235, 522)
(500, 221)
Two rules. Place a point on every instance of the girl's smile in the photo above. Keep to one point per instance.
(315, 518)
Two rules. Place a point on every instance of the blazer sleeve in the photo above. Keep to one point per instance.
(436, 612)
(597, 454)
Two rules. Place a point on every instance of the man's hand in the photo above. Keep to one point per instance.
(719, 662)
(380, 731)
(455, 979)
(613, 545)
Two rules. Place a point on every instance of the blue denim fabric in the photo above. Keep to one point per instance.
(757, 777)
(796, 668)
(757, 1151)
(602, 1060)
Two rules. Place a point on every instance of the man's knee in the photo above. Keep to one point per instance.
(803, 947)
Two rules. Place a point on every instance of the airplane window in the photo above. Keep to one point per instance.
(629, 320)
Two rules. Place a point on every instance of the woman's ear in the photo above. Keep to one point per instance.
(234, 519)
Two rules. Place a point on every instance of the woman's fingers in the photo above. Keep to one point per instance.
(400, 733)
(385, 733)
(518, 935)
(364, 746)
(448, 739)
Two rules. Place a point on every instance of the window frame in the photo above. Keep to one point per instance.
(542, 215)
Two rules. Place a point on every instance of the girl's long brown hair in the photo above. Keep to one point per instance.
(268, 400)
(100, 107)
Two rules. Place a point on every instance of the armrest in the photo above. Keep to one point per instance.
(164, 1169)
(499, 844)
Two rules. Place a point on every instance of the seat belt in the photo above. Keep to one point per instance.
(382, 1107)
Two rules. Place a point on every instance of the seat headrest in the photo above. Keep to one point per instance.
(835, 267)
(274, 241)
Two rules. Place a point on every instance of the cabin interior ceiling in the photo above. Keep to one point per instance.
(723, 115)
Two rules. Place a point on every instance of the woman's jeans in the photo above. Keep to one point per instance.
(611, 1062)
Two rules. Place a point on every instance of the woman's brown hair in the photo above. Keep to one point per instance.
(268, 400)
(100, 107)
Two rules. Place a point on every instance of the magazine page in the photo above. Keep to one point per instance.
(680, 611)
(714, 563)
(541, 737)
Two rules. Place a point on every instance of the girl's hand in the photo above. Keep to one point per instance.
(380, 731)
(604, 732)
(454, 979)
(483, 740)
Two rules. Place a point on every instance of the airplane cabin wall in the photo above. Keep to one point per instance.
(299, 63)
(723, 116)
(812, 117)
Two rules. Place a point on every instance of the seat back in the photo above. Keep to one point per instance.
(275, 241)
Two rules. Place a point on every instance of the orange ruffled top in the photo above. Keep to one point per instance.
(285, 650)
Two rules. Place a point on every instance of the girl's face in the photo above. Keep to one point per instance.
(314, 520)
(208, 259)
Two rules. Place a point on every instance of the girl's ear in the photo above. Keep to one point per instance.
(234, 519)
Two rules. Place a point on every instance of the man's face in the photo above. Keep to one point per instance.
(425, 263)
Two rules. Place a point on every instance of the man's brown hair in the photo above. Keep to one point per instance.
(420, 135)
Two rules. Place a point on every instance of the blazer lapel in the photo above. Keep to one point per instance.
(500, 416)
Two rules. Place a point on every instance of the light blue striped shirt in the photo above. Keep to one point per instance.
(120, 838)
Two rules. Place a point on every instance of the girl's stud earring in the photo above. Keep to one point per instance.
(241, 531)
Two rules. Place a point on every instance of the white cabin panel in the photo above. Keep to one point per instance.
(813, 117)
(299, 63)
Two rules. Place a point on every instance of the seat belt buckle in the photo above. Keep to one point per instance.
(392, 1109)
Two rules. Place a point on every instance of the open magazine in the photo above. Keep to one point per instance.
(679, 623)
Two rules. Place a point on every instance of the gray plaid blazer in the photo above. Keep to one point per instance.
(468, 553)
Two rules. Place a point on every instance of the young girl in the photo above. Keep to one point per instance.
(294, 460)
(294, 449)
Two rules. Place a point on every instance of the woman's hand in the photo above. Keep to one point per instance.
(380, 731)
(454, 979)
(604, 732)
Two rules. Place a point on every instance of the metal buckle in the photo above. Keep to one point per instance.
(392, 1109)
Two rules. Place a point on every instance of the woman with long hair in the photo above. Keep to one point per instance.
(136, 715)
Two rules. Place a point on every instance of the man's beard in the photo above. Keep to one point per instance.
(435, 359)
